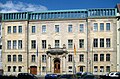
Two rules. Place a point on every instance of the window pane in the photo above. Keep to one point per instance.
(95, 57)
(95, 42)
(69, 28)
(70, 58)
(33, 58)
(14, 58)
(107, 68)
(14, 29)
(81, 58)
(19, 44)
(9, 29)
(43, 28)
(43, 44)
(107, 57)
(95, 69)
(108, 42)
(81, 27)
(14, 44)
(56, 43)
(101, 42)
(81, 43)
(33, 44)
(107, 26)
(43, 58)
(9, 44)
(19, 58)
(101, 57)
(101, 26)
(70, 43)
(95, 27)
(56, 28)
(19, 29)
(33, 29)
(9, 58)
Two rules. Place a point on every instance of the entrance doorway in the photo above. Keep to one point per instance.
(57, 65)
(33, 70)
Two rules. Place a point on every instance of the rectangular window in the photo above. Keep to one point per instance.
(108, 42)
(57, 43)
(9, 29)
(107, 26)
(70, 69)
(43, 28)
(33, 29)
(69, 28)
(102, 42)
(14, 44)
(95, 28)
(43, 69)
(56, 28)
(33, 58)
(101, 57)
(19, 58)
(101, 68)
(14, 29)
(9, 44)
(19, 69)
(81, 27)
(43, 58)
(81, 43)
(95, 42)
(70, 58)
(43, 44)
(81, 58)
(14, 68)
(107, 68)
(19, 44)
(70, 43)
(101, 26)
(9, 58)
(14, 58)
(95, 57)
(33, 44)
(95, 68)
(107, 57)
(9, 68)
(19, 29)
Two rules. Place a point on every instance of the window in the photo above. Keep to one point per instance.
(9, 58)
(19, 58)
(81, 68)
(19, 44)
(70, 58)
(14, 58)
(95, 69)
(95, 27)
(70, 69)
(14, 68)
(9, 68)
(81, 43)
(81, 58)
(56, 28)
(19, 29)
(95, 57)
(9, 29)
(14, 29)
(69, 28)
(33, 58)
(108, 42)
(43, 28)
(107, 57)
(43, 44)
(14, 44)
(33, 44)
(101, 57)
(56, 43)
(101, 42)
(19, 69)
(108, 26)
(107, 68)
(44, 58)
(101, 26)
(81, 27)
(43, 69)
(33, 29)
(9, 44)
(70, 43)
(95, 42)
(101, 68)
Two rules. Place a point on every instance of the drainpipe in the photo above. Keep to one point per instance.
(27, 43)
(87, 43)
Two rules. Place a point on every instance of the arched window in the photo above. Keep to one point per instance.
(33, 58)
(19, 58)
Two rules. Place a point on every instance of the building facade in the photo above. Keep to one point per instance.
(60, 41)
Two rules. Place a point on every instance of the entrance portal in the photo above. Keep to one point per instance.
(56, 65)
(33, 70)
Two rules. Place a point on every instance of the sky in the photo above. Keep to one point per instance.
(41, 5)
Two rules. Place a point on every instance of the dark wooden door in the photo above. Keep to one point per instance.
(57, 67)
